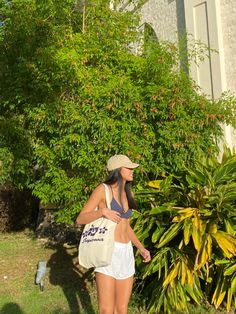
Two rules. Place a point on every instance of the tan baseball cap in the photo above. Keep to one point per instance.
(118, 161)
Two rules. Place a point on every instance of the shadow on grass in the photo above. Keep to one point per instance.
(11, 308)
(63, 273)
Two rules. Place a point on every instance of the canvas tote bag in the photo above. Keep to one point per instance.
(97, 240)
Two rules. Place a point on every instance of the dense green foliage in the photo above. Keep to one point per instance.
(189, 225)
(73, 92)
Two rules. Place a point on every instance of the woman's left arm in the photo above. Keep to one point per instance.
(144, 252)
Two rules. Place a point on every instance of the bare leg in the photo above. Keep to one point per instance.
(106, 293)
(123, 289)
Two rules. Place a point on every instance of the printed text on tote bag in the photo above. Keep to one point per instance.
(89, 235)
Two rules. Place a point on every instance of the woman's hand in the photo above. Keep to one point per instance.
(146, 255)
(111, 214)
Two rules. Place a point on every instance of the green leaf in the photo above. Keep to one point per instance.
(169, 234)
(157, 234)
(159, 210)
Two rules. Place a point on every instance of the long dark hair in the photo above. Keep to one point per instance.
(115, 177)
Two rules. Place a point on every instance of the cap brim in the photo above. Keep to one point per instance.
(131, 165)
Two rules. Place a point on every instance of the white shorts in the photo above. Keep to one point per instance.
(122, 263)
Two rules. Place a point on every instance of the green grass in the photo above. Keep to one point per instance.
(68, 288)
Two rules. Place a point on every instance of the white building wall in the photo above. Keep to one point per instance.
(203, 21)
(169, 19)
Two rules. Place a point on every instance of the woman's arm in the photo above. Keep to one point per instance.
(88, 212)
(144, 252)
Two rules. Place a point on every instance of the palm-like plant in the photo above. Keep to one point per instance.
(190, 229)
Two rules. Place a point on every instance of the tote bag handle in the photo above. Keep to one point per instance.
(107, 193)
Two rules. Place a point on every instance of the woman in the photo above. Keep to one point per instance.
(114, 282)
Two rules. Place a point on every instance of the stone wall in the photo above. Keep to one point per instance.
(161, 15)
(228, 18)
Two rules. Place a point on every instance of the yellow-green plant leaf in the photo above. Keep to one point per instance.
(229, 227)
(212, 228)
(190, 278)
(183, 272)
(220, 291)
(233, 284)
(157, 234)
(187, 231)
(192, 293)
(155, 184)
(182, 216)
(172, 274)
(209, 246)
(230, 270)
(196, 234)
(186, 210)
(225, 243)
(169, 234)
(229, 299)
(203, 258)
(221, 294)
(220, 298)
(216, 292)
(158, 210)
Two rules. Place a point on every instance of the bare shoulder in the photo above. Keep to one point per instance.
(96, 198)
(98, 192)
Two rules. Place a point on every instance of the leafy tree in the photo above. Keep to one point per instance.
(75, 93)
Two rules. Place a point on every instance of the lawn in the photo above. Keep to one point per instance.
(67, 287)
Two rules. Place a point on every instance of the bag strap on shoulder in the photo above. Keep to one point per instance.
(107, 193)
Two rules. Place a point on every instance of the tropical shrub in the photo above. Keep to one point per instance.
(190, 228)
(73, 88)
